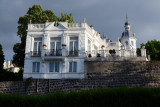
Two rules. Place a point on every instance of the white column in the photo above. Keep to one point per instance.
(149, 58)
(103, 53)
(28, 46)
(122, 52)
(44, 44)
(143, 51)
(63, 50)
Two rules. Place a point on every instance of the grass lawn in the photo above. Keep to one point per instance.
(112, 97)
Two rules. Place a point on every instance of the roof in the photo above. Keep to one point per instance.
(127, 33)
(127, 23)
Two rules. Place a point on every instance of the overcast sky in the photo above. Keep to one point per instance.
(107, 16)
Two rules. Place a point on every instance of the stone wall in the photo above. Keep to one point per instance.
(98, 74)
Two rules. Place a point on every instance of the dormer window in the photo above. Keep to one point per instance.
(126, 42)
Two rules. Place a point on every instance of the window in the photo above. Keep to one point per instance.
(132, 42)
(37, 47)
(73, 46)
(126, 42)
(54, 67)
(72, 66)
(36, 67)
(55, 46)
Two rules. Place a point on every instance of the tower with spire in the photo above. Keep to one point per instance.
(128, 39)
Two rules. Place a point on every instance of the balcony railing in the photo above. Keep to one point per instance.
(112, 52)
(35, 53)
(73, 53)
(54, 52)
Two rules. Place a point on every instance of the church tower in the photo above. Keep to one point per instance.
(128, 38)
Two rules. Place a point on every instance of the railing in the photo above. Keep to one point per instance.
(130, 53)
(54, 52)
(37, 26)
(92, 53)
(35, 53)
(98, 53)
(74, 25)
(73, 53)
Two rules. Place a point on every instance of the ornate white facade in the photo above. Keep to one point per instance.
(58, 50)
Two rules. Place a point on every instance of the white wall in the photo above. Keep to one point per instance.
(64, 63)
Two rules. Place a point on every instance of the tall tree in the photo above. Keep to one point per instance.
(37, 15)
(138, 51)
(1, 58)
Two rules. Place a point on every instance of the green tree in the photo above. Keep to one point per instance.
(66, 17)
(153, 49)
(138, 51)
(37, 15)
(1, 58)
(18, 58)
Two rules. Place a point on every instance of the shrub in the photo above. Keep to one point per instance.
(10, 76)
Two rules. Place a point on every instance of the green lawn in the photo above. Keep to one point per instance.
(113, 97)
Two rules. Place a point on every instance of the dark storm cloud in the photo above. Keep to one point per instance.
(107, 16)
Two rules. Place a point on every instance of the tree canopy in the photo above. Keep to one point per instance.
(37, 15)
(153, 49)
(1, 58)
(65, 17)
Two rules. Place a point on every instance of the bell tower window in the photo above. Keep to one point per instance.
(132, 43)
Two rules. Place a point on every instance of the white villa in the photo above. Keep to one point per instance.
(57, 50)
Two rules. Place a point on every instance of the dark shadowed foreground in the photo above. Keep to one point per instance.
(112, 97)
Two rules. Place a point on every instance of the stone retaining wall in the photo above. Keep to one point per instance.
(98, 74)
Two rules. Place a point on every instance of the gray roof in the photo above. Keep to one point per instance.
(127, 33)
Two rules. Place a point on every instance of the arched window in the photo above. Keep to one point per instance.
(132, 43)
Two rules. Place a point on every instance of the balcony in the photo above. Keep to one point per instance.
(53, 52)
(36, 53)
(73, 53)
(53, 55)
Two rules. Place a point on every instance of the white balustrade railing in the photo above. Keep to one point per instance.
(37, 26)
(94, 53)
(74, 25)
